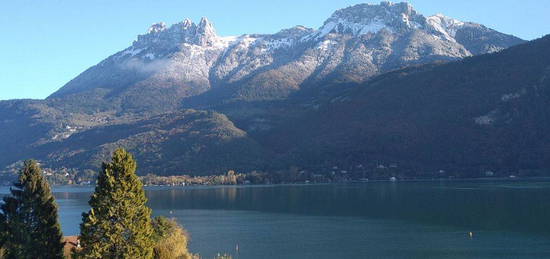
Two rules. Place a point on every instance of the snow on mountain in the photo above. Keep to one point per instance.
(188, 65)
(369, 18)
(445, 25)
(354, 44)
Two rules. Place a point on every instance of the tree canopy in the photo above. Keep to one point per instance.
(29, 217)
(118, 224)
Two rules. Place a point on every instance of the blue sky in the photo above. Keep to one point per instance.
(46, 43)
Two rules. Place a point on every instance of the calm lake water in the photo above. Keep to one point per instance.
(372, 220)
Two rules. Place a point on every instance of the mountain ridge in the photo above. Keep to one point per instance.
(484, 113)
(149, 97)
(205, 61)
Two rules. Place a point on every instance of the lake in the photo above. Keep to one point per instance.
(508, 219)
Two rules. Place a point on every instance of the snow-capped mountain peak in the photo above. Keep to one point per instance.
(205, 34)
(354, 44)
(371, 18)
(187, 23)
(446, 25)
(206, 27)
(157, 27)
(202, 34)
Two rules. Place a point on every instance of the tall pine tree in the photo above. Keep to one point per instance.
(29, 217)
(118, 224)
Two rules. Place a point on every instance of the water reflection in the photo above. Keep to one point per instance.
(384, 220)
(474, 205)
(489, 206)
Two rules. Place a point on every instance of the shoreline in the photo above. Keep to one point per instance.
(485, 179)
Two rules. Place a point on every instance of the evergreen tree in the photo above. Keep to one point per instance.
(118, 224)
(29, 217)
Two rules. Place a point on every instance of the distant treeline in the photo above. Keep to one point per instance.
(294, 174)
